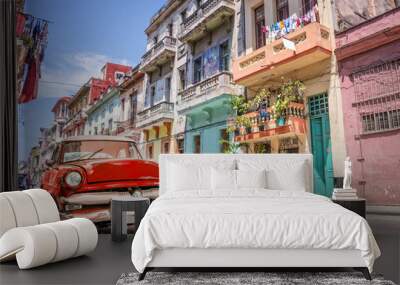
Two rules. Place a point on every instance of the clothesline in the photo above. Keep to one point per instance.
(281, 28)
(30, 15)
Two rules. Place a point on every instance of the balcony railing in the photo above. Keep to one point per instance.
(266, 127)
(209, 88)
(207, 17)
(312, 43)
(161, 52)
(163, 110)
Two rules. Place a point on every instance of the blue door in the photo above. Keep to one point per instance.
(321, 144)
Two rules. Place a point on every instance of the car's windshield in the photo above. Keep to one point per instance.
(83, 150)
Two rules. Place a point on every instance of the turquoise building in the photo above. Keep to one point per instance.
(206, 125)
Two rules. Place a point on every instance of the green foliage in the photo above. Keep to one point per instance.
(242, 121)
(239, 105)
(261, 94)
(290, 91)
(233, 147)
(260, 148)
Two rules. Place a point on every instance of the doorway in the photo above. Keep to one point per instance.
(321, 144)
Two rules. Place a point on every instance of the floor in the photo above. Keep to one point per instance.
(111, 259)
(103, 266)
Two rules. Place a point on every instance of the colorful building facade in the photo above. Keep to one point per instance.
(292, 41)
(187, 68)
(104, 113)
(131, 92)
(369, 68)
(89, 94)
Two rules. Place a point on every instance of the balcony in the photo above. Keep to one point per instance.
(160, 53)
(207, 89)
(312, 42)
(261, 130)
(209, 16)
(161, 111)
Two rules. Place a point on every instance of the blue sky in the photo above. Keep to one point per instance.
(83, 36)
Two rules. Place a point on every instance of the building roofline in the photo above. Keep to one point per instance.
(162, 13)
(366, 22)
(102, 100)
(62, 99)
(78, 93)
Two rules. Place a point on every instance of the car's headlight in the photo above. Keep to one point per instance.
(73, 178)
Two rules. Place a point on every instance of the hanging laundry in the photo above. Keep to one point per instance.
(30, 89)
(35, 33)
(20, 27)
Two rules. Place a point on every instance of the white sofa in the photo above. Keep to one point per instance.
(31, 231)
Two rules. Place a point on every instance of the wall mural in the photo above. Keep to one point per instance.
(92, 122)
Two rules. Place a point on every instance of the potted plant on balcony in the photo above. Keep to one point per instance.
(260, 103)
(239, 105)
(290, 91)
(232, 147)
(244, 122)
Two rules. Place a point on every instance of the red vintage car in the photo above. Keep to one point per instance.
(85, 172)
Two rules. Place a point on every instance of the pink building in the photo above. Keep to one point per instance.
(368, 57)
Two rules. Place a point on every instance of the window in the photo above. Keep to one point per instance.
(224, 56)
(152, 95)
(166, 147)
(170, 29)
(183, 15)
(118, 75)
(182, 78)
(155, 40)
(259, 26)
(181, 145)
(224, 144)
(197, 69)
(133, 107)
(282, 9)
(95, 130)
(167, 89)
(382, 121)
(197, 143)
(150, 151)
(308, 5)
(395, 118)
(123, 106)
(110, 124)
(377, 96)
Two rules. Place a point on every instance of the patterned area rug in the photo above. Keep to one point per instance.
(269, 278)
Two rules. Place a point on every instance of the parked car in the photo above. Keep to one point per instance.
(85, 172)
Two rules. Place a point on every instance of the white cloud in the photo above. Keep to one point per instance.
(66, 76)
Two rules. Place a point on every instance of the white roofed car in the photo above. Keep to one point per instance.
(85, 172)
